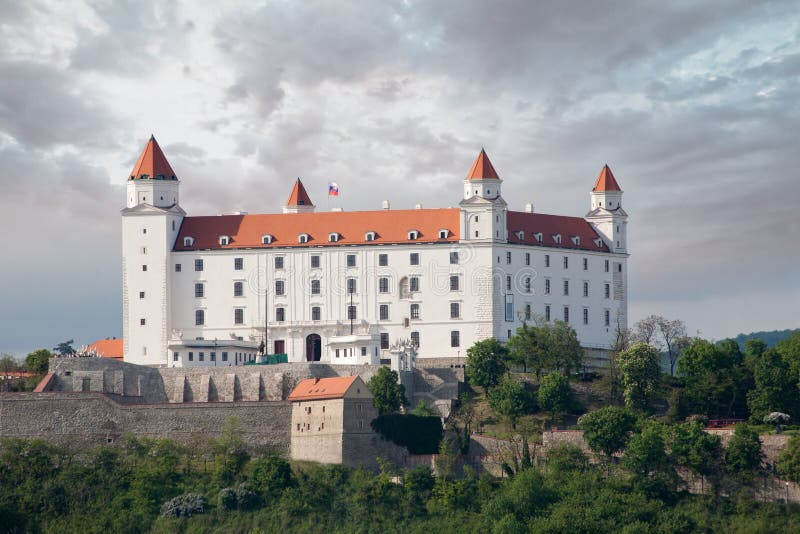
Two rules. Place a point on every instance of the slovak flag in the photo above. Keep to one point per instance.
(333, 189)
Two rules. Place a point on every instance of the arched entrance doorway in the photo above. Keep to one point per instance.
(313, 348)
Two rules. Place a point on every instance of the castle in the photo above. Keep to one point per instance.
(345, 287)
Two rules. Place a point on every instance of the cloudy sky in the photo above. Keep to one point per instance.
(694, 105)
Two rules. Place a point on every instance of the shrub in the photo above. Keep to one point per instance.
(185, 505)
(227, 499)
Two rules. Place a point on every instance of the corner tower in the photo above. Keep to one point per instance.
(151, 221)
(606, 214)
(483, 210)
(298, 201)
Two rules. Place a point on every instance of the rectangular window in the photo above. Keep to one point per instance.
(527, 284)
(198, 265)
(606, 265)
(547, 260)
(199, 317)
(586, 289)
(508, 257)
(414, 258)
(509, 308)
(238, 289)
(314, 261)
(547, 312)
(316, 313)
(546, 286)
(238, 264)
(415, 339)
(199, 290)
(351, 285)
(415, 311)
(141, 294)
(238, 316)
(142, 322)
(224, 356)
(566, 287)
(279, 262)
(455, 338)
(383, 260)
(383, 285)
(144, 267)
(566, 314)
(363, 353)
(455, 310)
(608, 318)
(566, 262)
(585, 264)
(191, 356)
(527, 258)
(508, 283)
(586, 316)
(527, 312)
(201, 356)
(607, 289)
(351, 260)
(315, 287)
(177, 267)
(454, 258)
(212, 356)
(454, 283)
(351, 313)
(280, 314)
(384, 340)
(280, 287)
(413, 284)
(384, 312)
(175, 356)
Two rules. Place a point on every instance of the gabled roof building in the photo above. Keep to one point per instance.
(345, 286)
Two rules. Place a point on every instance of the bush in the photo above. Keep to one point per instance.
(227, 499)
(420, 435)
(185, 505)
(246, 497)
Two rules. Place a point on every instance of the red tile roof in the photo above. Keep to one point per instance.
(298, 196)
(44, 383)
(606, 181)
(390, 226)
(152, 164)
(482, 168)
(16, 374)
(322, 388)
(108, 348)
(550, 226)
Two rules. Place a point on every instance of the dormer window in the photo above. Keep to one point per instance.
(370, 236)
(266, 239)
(188, 241)
(224, 240)
(576, 240)
(598, 242)
(538, 237)
(557, 238)
(333, 237)
(413, 235)
(444, 233)
(303, 238)
(520, 235)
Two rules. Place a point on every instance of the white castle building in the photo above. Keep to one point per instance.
(345, 287)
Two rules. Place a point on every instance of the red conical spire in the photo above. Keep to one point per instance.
(152, 164)
(298, 196)
(606, 181)
(482, 168)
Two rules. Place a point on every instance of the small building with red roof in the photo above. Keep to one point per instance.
(108, 348)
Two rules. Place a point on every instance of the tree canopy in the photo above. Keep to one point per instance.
(38, 361)
(486, 362)
(640, 374)
(387, 391)
(554, 394)
(607, 429)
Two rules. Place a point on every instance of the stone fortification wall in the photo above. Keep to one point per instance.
(94, 418)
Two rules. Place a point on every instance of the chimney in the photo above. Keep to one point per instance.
(337, 209)
(418, 207)
(528, 208)
(385, 204)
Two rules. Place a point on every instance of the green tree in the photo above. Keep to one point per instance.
(65, 348)
(554, 394)
(788, 464)
(640, 375)
(697, 450)
(743, 456)
(527, 347)
(230, 454)
(645, 453)
(387, 391)
(510, 399)
(270, 475)
(423, 409)
(38, 361)
(564, 351)
(607, 430)
(775, 386)
(486, 363)
(460, 422)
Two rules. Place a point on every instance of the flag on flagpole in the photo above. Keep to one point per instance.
(333, 189)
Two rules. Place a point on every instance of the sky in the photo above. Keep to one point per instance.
(694, 105)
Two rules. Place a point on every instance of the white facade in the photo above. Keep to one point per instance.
(442, 295)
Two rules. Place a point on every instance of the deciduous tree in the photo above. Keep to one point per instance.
(510, 399)
(38, 361)
(388, 394)
(640, 375)
(486, 363)
(554, 394)
(673, 333)
(607, 430)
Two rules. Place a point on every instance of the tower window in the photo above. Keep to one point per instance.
(198, 265)
(414, 311)
(280, 287)
(508, 257)
(280, 314)
(142, 321)
(141, 294)
(454, 283)
(316, 313)
(455, 310)
(383, 285)
(455, 338)
(586, 289)
(351, 286)
(315, 287)
(238, 289)
(566, 287)
(585, 264)
(199, 318)
(199, 290)
(384, 312)
(566, 314)
(238, 316)
(413, 284)
(547, 260)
